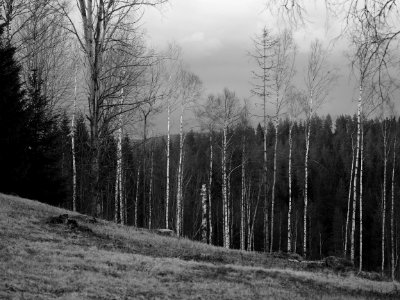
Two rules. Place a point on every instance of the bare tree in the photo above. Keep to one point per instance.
(392, 212)
(263, 44)
(107, 26)
(224, 111)
(190, 91)
(318, 81)
(294, 98)
(282, 71)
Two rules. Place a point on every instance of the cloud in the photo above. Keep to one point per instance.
(198, 43)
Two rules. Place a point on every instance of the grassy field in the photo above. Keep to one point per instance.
(103, 260)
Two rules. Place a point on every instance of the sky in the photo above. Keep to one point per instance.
(216, 37)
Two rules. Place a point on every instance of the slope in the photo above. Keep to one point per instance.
(102, 260)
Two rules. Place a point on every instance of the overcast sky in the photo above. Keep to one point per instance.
(216, 36)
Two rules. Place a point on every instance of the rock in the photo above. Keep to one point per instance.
(165, 232)
(61, 219)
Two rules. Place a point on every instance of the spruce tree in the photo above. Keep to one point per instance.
(13, 116)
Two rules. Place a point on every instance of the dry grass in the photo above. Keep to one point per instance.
(108, 261)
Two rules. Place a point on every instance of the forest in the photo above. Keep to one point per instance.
(79, 99)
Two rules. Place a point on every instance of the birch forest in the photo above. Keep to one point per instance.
(87, 109)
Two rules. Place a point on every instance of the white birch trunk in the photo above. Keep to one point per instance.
(266, 204)
(242, 200)
(119, 149)
(151, 191)
(226, 235)
(306, 188)
(361, 198)
(353, 217)
(179, 191)
(289, 229)
(349, 200)
(392, 214)
(118, 177)
(73, 148)
(210, 225)
(273, 186)
(168, 157)
(204, 213)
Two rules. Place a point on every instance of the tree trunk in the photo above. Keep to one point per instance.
(204, 213)
(137, 196)
(353, 218)
(349, 200)
(151, 191)
(179, 191)
(306, 188)
(144, 170)
(226, 235)
(210, 225)
(392, 212)
(289, 229)
(119, 162)
(73, 148)
(265, 174)
(384, 195)
(273, 187)
(361, 198)
(168, 157)
(242, 199)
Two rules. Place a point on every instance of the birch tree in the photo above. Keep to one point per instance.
(364, 63)
(190, 90)
(393, 266)
(294, 100)
(318, 80)
(282, 71)
(73, 129)
(106, 25)
(224, 111)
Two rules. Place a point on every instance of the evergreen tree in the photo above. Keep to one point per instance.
(13, 117)
(44, 180)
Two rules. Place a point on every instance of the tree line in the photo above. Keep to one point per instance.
(297, 182)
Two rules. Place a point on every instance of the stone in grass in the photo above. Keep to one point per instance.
(61, 219)
(165, 232)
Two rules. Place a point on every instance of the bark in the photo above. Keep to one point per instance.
(210, 225)
(392, 214)
(349, 201)
(168, 158)
(273, 186)
(289, 229)
(204, 213)
(353, 218)
(384, 196)
(73, 148)
(226, 235)
(242, 199)
(306, 188)
(137, 197)
(151, 191)
(119, 164)
(361, 198)
(265, 174)
(144, 169)
(179, 190)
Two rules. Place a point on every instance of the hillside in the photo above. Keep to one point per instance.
(102, 260)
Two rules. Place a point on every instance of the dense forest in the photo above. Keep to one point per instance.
(296, 182)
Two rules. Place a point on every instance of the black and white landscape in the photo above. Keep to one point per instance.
(193, 149)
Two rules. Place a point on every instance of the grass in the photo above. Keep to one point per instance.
(108, 261)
